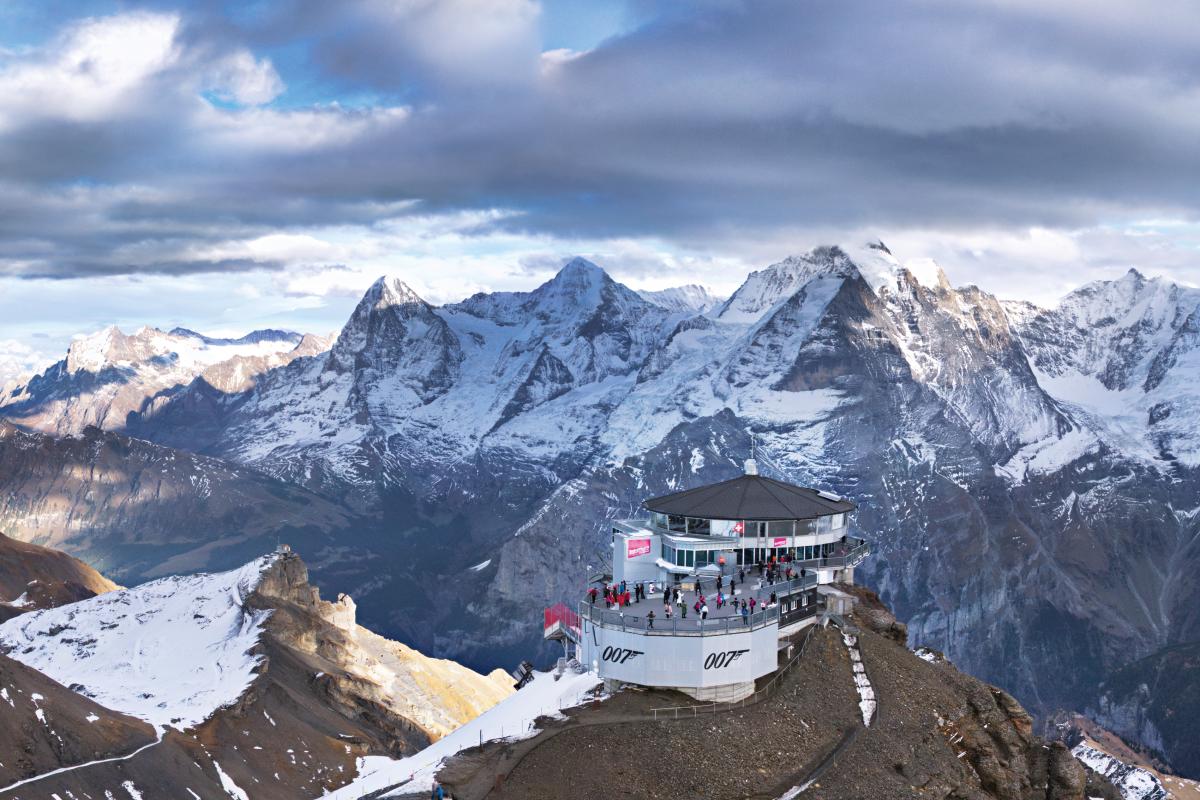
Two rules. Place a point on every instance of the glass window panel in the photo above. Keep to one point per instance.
(779, 527)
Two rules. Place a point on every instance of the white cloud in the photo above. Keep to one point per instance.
(243, 79)
(95, 69)
(18, 360)
(258, 131)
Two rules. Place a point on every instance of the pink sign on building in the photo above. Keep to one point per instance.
(637, 547)
(779, 541)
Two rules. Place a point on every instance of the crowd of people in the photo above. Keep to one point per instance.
(618, 596)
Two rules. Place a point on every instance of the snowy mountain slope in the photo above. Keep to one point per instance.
(512, 718)
(689, 299)
(410, 394)
(45, 727)
(108, 375)
(170, 652)
(1124, 356)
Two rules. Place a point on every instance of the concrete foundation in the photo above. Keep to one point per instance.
(729, 693)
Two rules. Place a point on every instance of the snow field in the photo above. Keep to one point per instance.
(170, 652)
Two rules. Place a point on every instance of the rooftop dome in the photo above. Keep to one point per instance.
(750, 497)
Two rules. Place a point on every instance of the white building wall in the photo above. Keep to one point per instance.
(640, 567)
(680, 661)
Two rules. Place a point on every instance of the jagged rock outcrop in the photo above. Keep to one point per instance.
(360, 669)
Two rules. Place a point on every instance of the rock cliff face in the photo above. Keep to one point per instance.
(358, 669)
(1155, 702)
(137, 510)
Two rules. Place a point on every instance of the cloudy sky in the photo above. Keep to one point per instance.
(231, 165)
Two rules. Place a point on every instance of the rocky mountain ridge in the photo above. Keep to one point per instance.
(109, 375)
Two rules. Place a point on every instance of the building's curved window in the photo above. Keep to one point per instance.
(698, 526)
(780, 527)
(753, 528)
(677, 523)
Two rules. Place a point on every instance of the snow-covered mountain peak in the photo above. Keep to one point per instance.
(579, 268)
(254, 337)
(383, 318)
(881, 269)
(93, 351)
(1130, 299)
(389, 291)
(170, 651)
(110, 347)
(690, 298)
(766, 288)
(579, 284)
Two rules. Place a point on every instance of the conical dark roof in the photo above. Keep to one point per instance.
(749, 497)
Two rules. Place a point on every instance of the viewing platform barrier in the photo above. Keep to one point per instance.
(560, 621)
(678, 626)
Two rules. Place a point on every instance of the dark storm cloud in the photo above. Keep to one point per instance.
(733, 119)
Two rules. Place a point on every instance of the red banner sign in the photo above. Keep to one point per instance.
(637, 547)
(779, 541)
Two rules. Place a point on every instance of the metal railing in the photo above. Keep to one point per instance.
(678, 626)
(784, 587)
